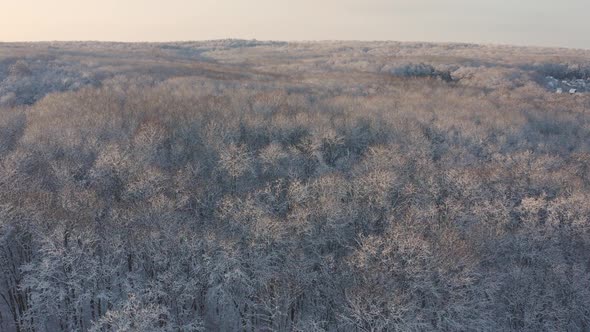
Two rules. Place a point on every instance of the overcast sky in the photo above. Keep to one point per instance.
(522, 22)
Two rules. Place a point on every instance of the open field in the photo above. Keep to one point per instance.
(240, 185)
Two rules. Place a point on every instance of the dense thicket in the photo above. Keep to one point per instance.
(242, 204)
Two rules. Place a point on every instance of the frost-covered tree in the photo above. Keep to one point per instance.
(260, 186)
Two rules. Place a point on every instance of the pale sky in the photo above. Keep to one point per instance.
(521, 22)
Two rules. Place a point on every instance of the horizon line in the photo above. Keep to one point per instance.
(496, 44)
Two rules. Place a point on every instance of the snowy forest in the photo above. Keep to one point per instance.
(240, 185)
